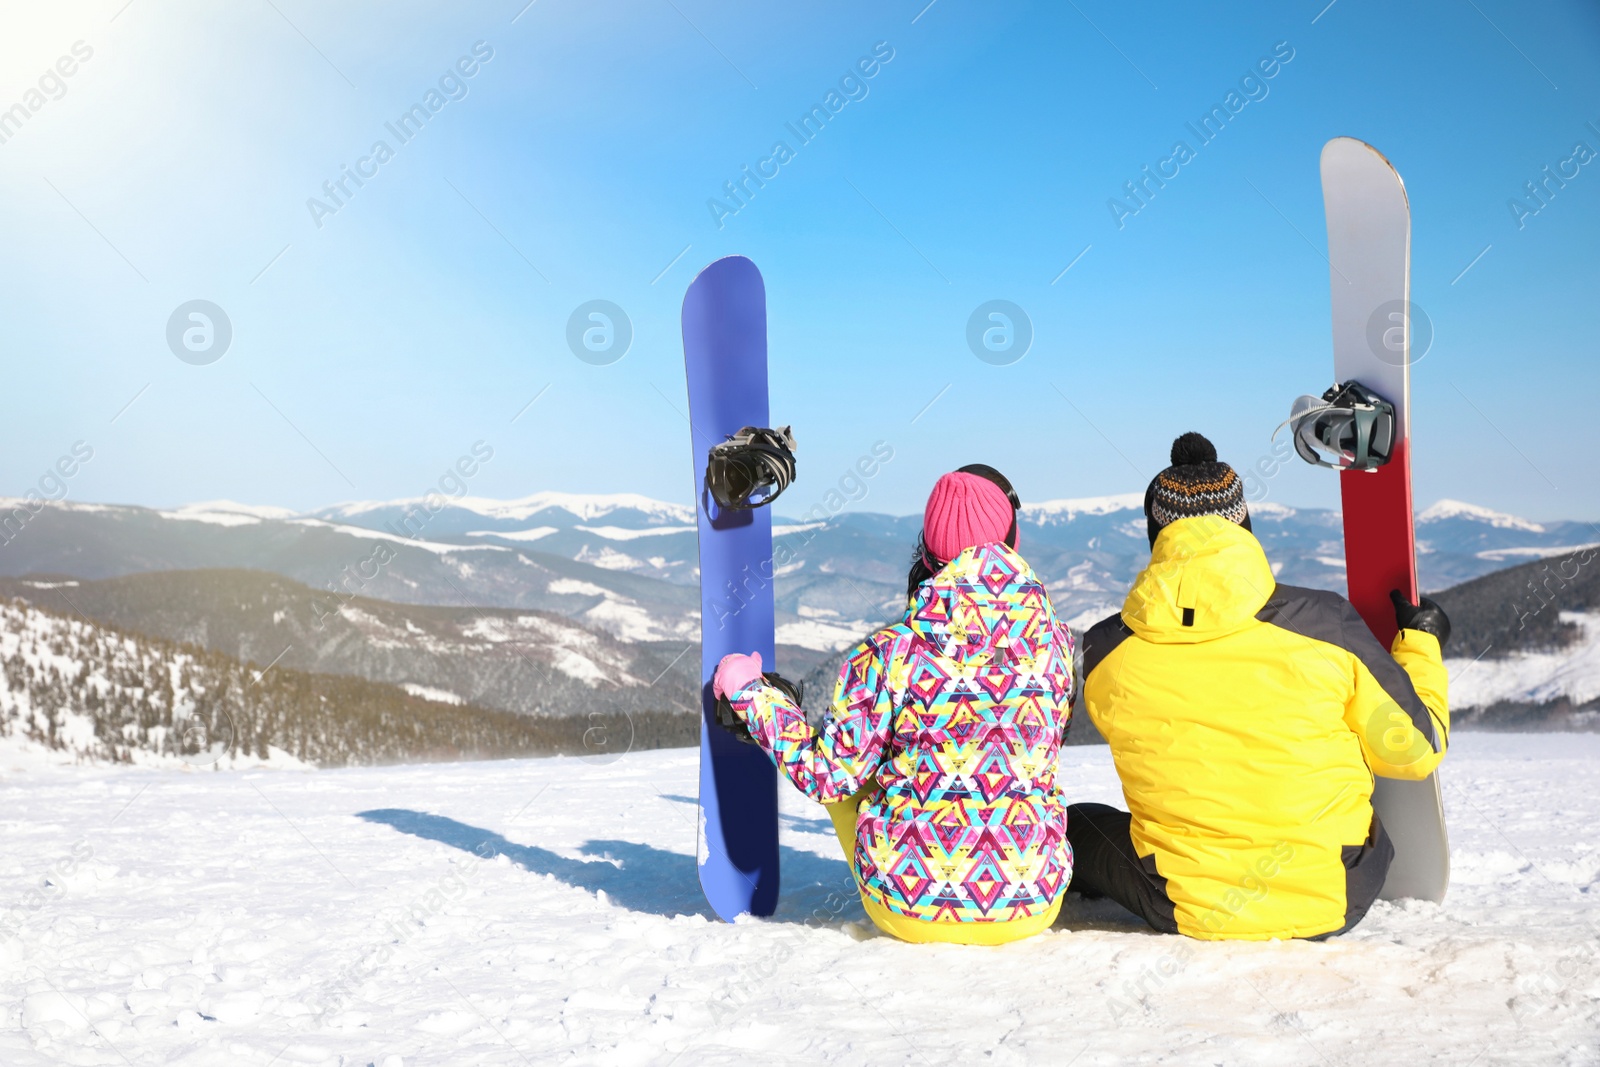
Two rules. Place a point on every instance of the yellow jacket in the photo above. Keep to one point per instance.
(1246, 720)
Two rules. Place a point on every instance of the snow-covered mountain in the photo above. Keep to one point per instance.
(526, 662)
(629, 533)
(78, 692)
(459, 513)
(1525, 650)
(574, 571)
(339, 560)
(617, 531)
(627, 564)
(624, 565)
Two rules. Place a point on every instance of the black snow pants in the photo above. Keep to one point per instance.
(1104, 864)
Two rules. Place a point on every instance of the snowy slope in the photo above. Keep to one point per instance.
(546, 911)
(1571, 674)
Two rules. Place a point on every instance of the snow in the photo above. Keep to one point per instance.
(621, 617)
(575, 587)
(1088, 614)
(608, 559)
(364, 533)
(542, 911)
(1456, 509)
(428, 692)
(621, 533)
(820, 635)
(35, 641)
(583, 506)
(1526, 552)
(571, 650)
(1532, 677)
(534, 534)
(227, 513)
(1067, 510)
(628, 621)
(9, 502)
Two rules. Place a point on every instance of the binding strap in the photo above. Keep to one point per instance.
(750, 461)
(1348, 428)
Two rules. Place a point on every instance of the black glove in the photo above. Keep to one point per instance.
(1425, 616)
(729, 719)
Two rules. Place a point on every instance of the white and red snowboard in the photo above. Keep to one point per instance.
(1369, 251)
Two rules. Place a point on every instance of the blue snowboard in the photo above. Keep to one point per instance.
(725, 355)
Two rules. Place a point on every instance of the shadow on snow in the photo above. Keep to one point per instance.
(641, 877)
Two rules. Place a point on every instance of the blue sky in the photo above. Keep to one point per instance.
(371, 351)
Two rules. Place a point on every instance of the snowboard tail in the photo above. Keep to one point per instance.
(725, 359)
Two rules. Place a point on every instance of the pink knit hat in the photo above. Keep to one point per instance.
(964, 510)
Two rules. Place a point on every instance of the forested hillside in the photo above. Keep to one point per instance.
(95, 693)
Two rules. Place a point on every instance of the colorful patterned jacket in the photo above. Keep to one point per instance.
(958, 711)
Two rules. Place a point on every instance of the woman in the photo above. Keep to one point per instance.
(938, 759)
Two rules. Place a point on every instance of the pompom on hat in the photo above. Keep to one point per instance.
(1196, 484)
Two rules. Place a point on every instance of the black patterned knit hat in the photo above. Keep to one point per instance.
(1195, 484)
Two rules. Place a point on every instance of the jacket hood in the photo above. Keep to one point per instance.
(1205, 570)
(984, 608)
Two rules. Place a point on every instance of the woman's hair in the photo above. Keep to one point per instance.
(921, 567)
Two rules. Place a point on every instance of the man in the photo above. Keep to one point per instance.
(1246, 720)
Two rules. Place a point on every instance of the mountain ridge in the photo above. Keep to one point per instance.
(584, 507)
(629, 564)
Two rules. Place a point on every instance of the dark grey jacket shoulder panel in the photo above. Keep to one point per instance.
(1321, 615)
(1102, 640)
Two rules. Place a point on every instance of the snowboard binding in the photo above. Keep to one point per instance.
(729, 719)
(752, 460)
(1348, 428)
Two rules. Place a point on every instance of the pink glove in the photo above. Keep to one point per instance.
(735, 672)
